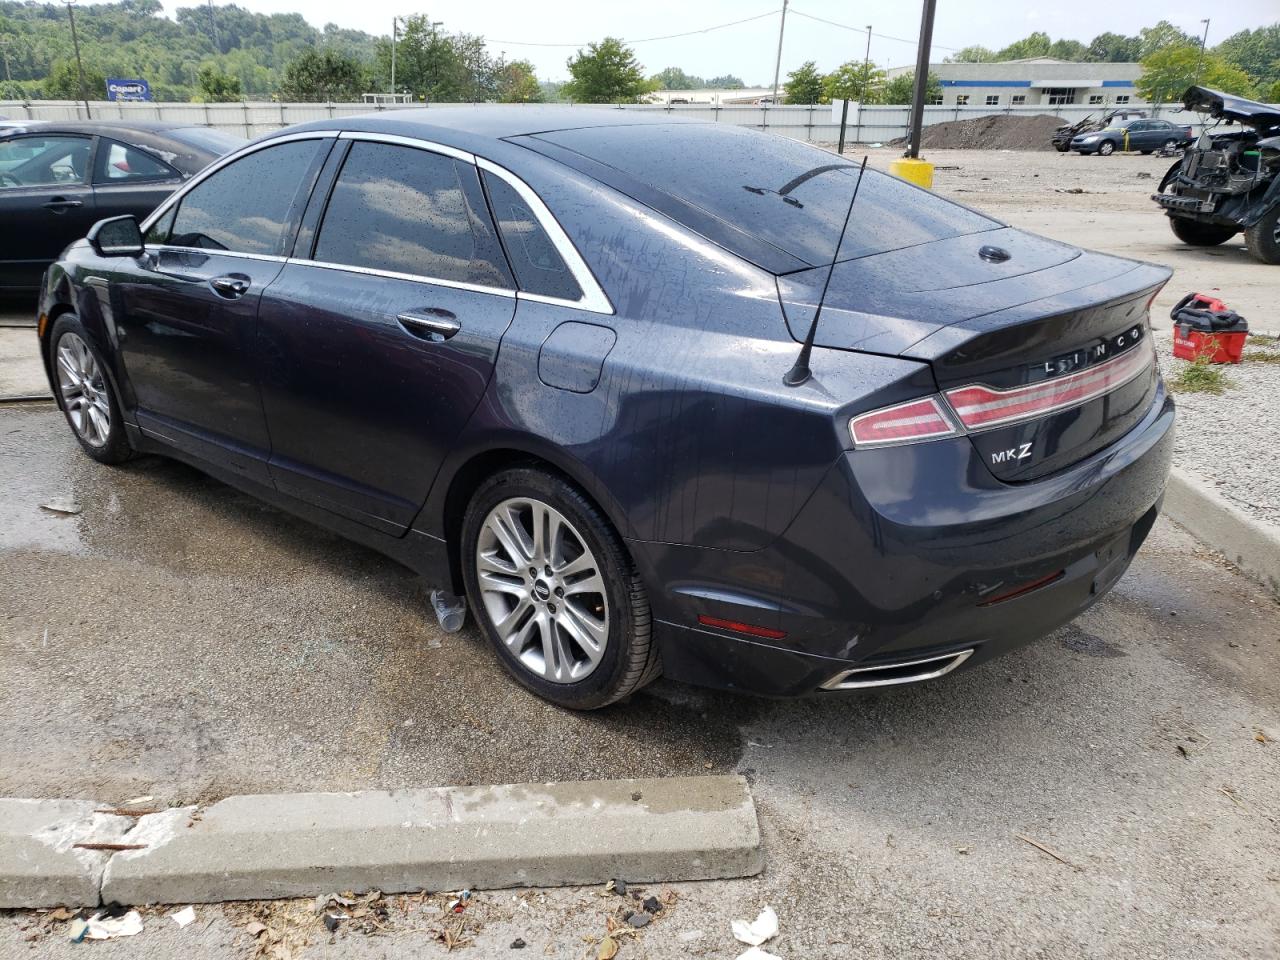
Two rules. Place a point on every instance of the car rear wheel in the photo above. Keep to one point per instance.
(1263, 238)
(555, 591)
(84, 394)
(1197, 234)
(1106, 148)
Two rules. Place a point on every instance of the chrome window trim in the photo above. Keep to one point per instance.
(416, 142)
(221, 162)
(593, 299)
(213, 252)
(394, 275)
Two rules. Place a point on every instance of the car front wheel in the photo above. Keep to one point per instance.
(84, 394)
(555, 592)
(1106, 148)
(1263, 238)
(1197, 234)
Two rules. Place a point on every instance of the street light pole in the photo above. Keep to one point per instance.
(75, 42)
(777, 66)
(1200, 59)
(922, 77)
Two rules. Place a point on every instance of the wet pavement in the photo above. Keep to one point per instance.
(177, 638)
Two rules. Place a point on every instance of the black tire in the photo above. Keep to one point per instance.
(630, 657)
(1263, 238)
(113, 446)
(1062, 147)
(1106, 148)
(1196, 234)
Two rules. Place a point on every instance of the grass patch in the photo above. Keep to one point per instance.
(1199, 376)
(1258, 340)
(1262, 356)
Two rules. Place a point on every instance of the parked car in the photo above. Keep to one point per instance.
(1145, 135)
(1228, 182)
(1064, 134)
(538, 356)
(57, 179)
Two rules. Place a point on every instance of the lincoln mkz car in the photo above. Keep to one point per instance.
(547, 358)
(58, 179)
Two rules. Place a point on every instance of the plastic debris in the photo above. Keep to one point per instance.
(755, 953)
(617, 886)
(108, 928)
(184, 916)
(331, 920)
(78, 928)
(460, 904)
(450, 610)
(638, 920)
(652, 905)
(64, 505)
(762, 929)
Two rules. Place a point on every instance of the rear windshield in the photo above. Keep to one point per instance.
(786, 193)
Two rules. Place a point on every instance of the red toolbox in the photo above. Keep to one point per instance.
(1204, 327)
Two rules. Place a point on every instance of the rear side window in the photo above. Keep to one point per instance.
(245, 207)
(538, 266)
(790, 195)
(410, 211)
(118, 162)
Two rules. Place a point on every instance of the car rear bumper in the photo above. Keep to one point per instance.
(906, 554)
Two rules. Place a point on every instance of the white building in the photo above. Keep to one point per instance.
(1037, 81)
(717, 98)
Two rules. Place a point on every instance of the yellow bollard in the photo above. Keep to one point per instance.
(919, 172)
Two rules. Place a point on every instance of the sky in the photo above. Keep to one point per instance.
(549, 32)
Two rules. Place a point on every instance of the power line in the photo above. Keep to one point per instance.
(846, 26)
(670, 36)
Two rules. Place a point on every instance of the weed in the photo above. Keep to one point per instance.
(1198, 376)
(1262, 356)
(1258, 340)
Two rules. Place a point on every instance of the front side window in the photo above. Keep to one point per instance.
(44, 161)
(246, 206)
(406, 210)
(118, 162)
(538, 266)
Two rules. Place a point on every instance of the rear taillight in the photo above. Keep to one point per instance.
(916, 420)
(980, 407)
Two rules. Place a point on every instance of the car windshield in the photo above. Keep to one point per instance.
(208, 139)
(786, 193)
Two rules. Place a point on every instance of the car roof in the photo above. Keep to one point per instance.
(469, 127)
(153, 136)
(107, 128)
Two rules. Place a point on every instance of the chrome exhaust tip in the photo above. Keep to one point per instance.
(897, 672)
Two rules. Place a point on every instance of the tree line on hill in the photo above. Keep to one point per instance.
(228, 53)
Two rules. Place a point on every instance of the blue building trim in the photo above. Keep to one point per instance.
(986, 83)
(1117, 83)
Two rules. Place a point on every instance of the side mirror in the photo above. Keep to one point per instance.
(116, 237)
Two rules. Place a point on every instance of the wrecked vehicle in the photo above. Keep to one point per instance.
(1228, 182)
(1063, 136)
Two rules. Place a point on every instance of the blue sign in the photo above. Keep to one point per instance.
(127, 89)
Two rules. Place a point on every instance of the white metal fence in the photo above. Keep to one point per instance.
(869, 124)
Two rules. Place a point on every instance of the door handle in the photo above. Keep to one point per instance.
(232, 287)
(58, 204)
(433, 324)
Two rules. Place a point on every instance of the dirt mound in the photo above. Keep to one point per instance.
(998, 132)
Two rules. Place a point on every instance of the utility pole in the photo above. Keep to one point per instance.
(395, 22)
(777, 67)
(1200, 59)
(922, 77)
(75, 42)
(213, 24)
(866, 68)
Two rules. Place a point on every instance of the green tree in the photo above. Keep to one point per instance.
(902, 89)
(804, 84)
(974, 54)
(1163, 34)
(217, 87)
(517, 83)
(726, 82)
(1113, 48)
(1033, 45)
(323, 75)
(673, 78)
(1167, 72)
(854, 80)
(1257, 53)
(64, 81)
(1072, 50)
(606, 72)
(437, 66)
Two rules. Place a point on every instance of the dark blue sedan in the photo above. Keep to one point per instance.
(550, 359)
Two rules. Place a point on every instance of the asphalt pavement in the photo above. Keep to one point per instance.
(1108, 792)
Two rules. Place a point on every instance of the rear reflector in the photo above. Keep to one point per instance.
(980, 407)
(1025, 588)
(747, 628)
(924, 419)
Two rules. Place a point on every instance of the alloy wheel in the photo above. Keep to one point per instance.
(542, 589)
(84, 390)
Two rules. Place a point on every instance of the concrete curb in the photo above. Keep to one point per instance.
(289, 845)
(1254, 546)
(40, 865)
